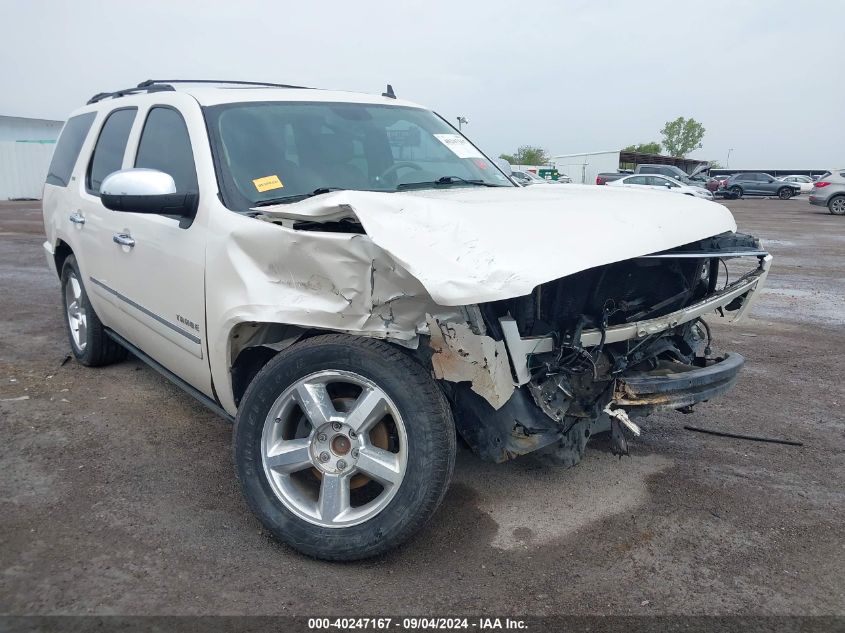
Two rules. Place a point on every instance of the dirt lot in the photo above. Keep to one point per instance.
(118, 493)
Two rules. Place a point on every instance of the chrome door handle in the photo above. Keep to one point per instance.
(76, 218)
(124, 239)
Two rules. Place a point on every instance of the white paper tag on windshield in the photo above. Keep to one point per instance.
(460, 147)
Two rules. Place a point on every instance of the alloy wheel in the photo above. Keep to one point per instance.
(334, 448)
(76, 315)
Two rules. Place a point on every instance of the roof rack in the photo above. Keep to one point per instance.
(164, 85)
(129, 91)
(151, 82)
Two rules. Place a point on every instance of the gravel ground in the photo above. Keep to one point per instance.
(118, 494)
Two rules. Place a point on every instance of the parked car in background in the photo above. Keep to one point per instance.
(716, 182)
(526, 178)
(661, 183)
(829, 191)
(760, 184)
(606, 177)
(805, 182)
(696, 178)
(563, 178)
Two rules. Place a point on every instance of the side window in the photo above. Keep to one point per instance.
(67, 149)
(111, 145)
(637, 180)
(658, 181)
(166, 146)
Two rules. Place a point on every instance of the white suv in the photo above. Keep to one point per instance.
(350, 280)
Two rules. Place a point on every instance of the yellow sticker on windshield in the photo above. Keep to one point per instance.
(267, 183)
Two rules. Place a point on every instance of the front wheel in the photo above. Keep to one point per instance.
(736, 191)
(344, 446)
(837, 205)
(785, 193)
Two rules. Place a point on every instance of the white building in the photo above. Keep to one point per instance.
(583, 168)
(26, 147)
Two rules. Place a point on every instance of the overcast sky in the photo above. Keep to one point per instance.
(765, 78)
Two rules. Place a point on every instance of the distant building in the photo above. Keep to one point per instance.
(26, 147)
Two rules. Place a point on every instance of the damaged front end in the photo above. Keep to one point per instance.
(587, 352)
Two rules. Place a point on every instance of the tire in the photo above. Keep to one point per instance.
(836, 205)
(87, 337)
(785, 193)
(736, 191)
(289, 442)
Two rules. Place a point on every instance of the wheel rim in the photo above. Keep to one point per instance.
(736, 191)
(320, 438)
(76, 317)
(786, 193)
(838, 206)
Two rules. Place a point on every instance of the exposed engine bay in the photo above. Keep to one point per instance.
(610, 343)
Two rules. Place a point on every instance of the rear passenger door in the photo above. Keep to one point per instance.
(92, 220)
(156, 274)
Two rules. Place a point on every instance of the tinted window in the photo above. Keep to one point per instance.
(636, 180)
(67, 149)
(166, 146)
(752, 177)
(108, 153)
(658, 181)
(649, 170)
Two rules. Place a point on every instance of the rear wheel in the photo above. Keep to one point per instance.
(87, 336)
(344, 446)
(785, 193)
(736, 191)
(836, 205)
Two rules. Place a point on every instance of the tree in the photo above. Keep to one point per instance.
(715, 164)
(527, 155)
(681, 136)
(645, 148)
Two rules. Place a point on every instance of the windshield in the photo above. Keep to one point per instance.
(284, 151)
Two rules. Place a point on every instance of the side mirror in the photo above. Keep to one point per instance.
(139, 190)
(504, 165)
(668, 185)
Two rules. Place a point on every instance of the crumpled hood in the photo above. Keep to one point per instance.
(472, 245)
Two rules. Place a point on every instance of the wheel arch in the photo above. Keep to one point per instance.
(252, 344)
(61, 251)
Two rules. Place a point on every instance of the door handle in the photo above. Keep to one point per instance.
(124, 239)
(76, 218)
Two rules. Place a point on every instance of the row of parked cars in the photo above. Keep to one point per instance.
(825, 190)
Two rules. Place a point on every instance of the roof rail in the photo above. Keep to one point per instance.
(129, 91)
(163, 85)
(151, 82)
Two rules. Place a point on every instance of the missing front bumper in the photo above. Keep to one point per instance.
(674, 386)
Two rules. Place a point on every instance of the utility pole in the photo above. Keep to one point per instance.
(462, 120)
(728, 160)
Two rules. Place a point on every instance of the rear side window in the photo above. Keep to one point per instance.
(166, 146)
(67, 149)
(111, 145)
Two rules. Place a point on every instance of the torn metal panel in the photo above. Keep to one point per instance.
(313, 280)
(460, 355)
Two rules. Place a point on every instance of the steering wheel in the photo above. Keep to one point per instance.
(390, 171)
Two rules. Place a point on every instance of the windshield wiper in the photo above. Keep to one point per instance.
(447, 180)
(296, 197)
